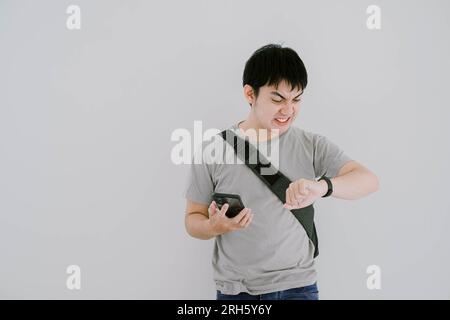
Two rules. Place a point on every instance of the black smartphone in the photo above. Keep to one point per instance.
(235, 204)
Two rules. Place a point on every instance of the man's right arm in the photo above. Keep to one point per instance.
(197, 221)
(205, 222)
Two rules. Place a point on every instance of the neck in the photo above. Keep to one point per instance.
(254, 127)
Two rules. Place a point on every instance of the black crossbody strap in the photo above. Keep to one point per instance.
(274, 179)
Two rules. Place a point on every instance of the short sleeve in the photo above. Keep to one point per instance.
(199, 186)
(328, 158)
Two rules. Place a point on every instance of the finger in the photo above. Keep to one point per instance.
(224, 209)
(297, 194)
(289, 197)
(293, 206)
(288, 200)
(241, 214)
(245, 219)
(212, 208)
(245, 216)
(249, 220)
(298, 197)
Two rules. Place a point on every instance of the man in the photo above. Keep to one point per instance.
(264, 252)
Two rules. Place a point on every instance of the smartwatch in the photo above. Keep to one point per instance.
(330, 186)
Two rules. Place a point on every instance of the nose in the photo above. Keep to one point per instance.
(287, 109)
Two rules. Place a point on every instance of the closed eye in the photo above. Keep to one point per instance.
(278, 101)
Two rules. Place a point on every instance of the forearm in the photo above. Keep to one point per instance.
(197, 226)
(353, 185)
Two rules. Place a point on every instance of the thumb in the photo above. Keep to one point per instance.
(212, 208)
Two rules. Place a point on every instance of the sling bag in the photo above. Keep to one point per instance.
(276, 181)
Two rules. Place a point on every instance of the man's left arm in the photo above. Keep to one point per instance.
(352, 182)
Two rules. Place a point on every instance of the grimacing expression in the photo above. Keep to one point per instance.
(277, 108)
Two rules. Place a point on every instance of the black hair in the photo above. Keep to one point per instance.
(272, 64)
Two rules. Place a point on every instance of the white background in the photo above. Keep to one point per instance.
(86, 118)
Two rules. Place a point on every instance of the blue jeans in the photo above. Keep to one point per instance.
(302, 293)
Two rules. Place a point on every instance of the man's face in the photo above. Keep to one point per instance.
(277, 108)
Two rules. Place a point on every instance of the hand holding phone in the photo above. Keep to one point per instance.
(231, 216)
(235, 204)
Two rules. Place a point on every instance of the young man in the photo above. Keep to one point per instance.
(264, 252)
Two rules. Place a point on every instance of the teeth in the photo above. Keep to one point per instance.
(282, 120)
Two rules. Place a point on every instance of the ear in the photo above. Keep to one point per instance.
(249, 94)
